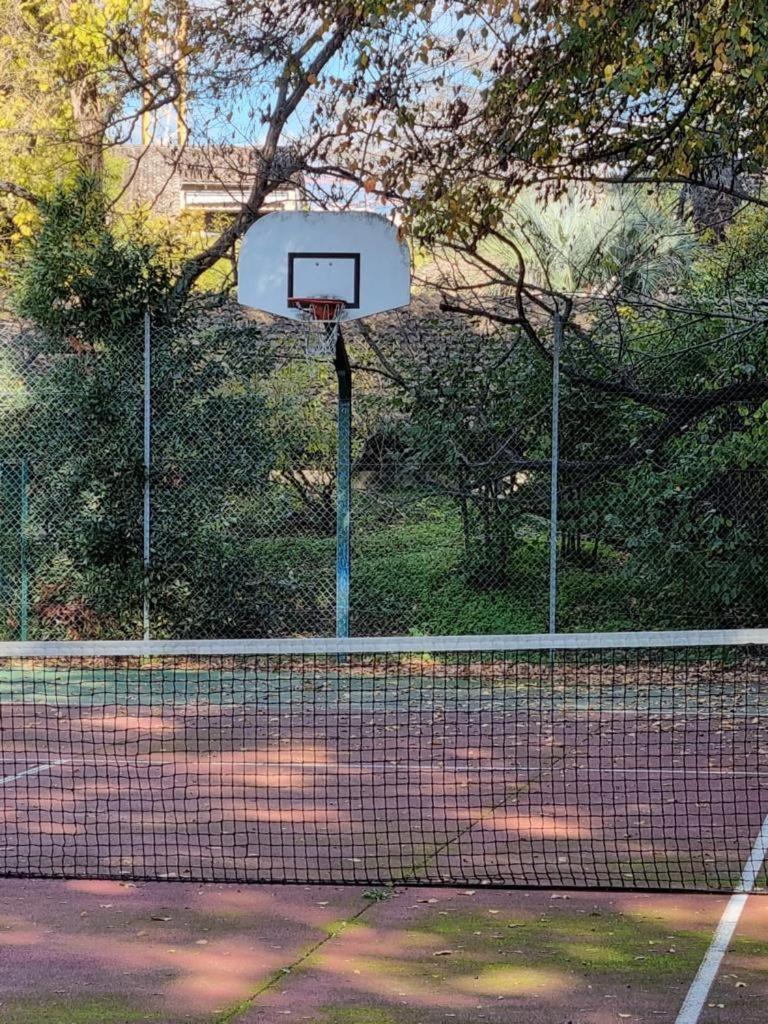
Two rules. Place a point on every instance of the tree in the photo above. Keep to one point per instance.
(663, 395)
(550, 93)
(29, 118)
(597, 355)
(615, 241)
(281, 78)
(77, 422)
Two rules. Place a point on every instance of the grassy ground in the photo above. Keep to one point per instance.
(410, 574)
(412, 577)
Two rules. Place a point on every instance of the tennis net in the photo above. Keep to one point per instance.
(599, 761)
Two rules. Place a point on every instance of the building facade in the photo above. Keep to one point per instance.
(208, 180)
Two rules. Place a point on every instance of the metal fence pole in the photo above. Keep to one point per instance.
(147, 430)
(23, 551)
(554, 469)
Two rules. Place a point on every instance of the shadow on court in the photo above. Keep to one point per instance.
(116, 953)
(568, 797)
(647, 777)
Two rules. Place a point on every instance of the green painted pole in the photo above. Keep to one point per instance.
(147, 456)
(24, 552)
(343, 485)
(2, 481)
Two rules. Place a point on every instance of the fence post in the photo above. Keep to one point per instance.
(554, 469)
(23, 550)
(147, 432)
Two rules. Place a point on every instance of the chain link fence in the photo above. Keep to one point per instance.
(229, 529)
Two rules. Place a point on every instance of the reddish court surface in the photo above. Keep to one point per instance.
(79, 952)
(493, 792)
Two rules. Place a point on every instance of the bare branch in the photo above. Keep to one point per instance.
(285, 105)
(11, 188)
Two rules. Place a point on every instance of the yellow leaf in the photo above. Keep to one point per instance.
(609, 71)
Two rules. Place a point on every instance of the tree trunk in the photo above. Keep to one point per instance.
(87, 111)
(712, 208)
(89, 127)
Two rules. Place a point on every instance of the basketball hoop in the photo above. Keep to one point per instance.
(352, 265)
(321, 317)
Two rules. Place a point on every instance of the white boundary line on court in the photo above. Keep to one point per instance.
(32, 771)
(385, 644)
(690, 1011)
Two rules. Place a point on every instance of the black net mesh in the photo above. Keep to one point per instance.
(604, 766)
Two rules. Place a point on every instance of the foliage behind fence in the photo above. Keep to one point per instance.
(451, 490)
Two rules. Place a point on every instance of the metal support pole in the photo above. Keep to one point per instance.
(147, 511)
(343, 484)
(24, 551)
(554, 469)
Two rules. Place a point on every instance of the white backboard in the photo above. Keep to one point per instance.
(356, 257)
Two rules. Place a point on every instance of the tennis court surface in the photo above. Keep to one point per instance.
(598, 761)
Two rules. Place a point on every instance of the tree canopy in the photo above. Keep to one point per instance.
(279, 77)
(590, 92)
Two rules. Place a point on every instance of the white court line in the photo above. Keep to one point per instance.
(690, 1011)
(32, 771)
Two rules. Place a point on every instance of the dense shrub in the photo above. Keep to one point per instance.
(452, 482)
